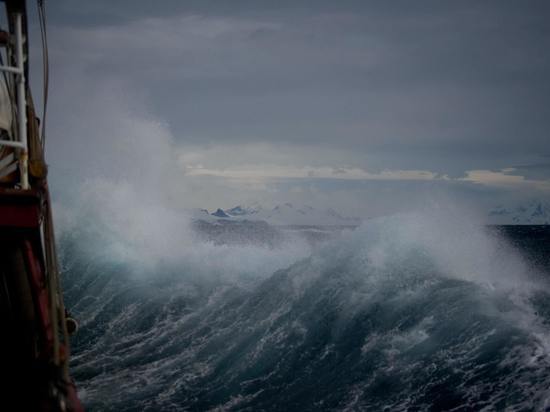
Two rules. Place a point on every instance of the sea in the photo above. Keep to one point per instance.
(403, 313)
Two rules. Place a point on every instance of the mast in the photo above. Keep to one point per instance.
(31, 300)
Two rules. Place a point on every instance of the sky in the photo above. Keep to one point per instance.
(368, 107)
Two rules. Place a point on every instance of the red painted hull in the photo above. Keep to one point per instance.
(26, 309)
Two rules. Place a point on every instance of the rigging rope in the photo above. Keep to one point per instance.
(56, 294)
(45, 66)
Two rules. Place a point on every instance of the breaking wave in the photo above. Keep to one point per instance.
(411, 312)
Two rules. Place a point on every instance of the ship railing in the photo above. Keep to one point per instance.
(20, 140)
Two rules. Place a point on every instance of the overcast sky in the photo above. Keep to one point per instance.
(366, 106)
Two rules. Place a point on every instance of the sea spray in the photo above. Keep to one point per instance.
(422, 310)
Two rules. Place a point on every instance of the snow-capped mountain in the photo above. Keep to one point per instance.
(535, 212)
(288, 214)
(220, 213)
(285, 214)
(262, 226)
(243, 211)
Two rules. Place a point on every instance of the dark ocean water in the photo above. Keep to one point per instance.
(399, 314)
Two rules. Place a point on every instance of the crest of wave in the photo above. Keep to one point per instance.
(114, 222)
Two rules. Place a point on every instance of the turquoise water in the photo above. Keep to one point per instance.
(401, 314)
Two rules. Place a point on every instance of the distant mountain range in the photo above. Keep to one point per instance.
(535, 212)
(285, 214)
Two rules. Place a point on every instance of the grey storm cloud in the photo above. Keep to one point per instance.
(366, 75)
(446, 87)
